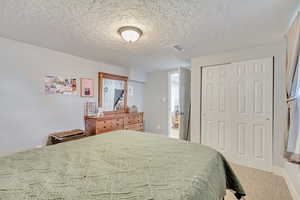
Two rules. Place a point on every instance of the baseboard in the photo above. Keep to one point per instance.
(281, 172)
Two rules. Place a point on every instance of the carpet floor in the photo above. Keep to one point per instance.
(260, 185)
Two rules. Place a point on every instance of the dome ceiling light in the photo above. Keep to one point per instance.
(130, 33)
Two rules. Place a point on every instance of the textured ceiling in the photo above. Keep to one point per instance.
(88, 28)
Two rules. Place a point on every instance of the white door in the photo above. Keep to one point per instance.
(184, 103)
(237, 107)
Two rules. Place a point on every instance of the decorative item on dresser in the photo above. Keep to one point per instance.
(112, 122)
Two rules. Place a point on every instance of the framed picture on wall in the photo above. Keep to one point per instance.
(60, 86)
(86, 87)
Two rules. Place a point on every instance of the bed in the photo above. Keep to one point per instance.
(121, 165)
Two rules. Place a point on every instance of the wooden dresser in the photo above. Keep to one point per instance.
(112, 122)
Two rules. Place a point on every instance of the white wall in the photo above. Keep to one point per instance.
(156, 102)
(137, 75)
(137, 97)
(27, 116)
(277, 50)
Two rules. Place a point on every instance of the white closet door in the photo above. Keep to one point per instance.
(237, 105)
(216, 123)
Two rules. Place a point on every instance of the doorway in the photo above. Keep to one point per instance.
(174, 113)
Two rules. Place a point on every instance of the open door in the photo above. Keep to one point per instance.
(184, 103)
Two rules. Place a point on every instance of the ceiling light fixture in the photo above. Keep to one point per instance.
(130, 33)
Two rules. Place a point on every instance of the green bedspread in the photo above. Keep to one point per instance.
(121, 165)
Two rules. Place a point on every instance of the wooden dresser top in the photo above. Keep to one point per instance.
(114, 116)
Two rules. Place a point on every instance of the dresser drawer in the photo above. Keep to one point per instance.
(116, 121)
(133, 119)
(109, 125)
(135, 127)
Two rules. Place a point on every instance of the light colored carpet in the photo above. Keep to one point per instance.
(174, 133)
(260, 185)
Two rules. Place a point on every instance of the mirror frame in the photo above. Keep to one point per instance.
(103, 75)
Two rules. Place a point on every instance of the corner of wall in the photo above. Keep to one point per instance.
(138, 75)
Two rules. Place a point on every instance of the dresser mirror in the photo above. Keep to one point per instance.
(112, 93)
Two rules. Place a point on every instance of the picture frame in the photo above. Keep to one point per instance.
(87, 87)
(56, 85)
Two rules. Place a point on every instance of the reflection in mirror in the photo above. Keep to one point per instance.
(113, 94)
